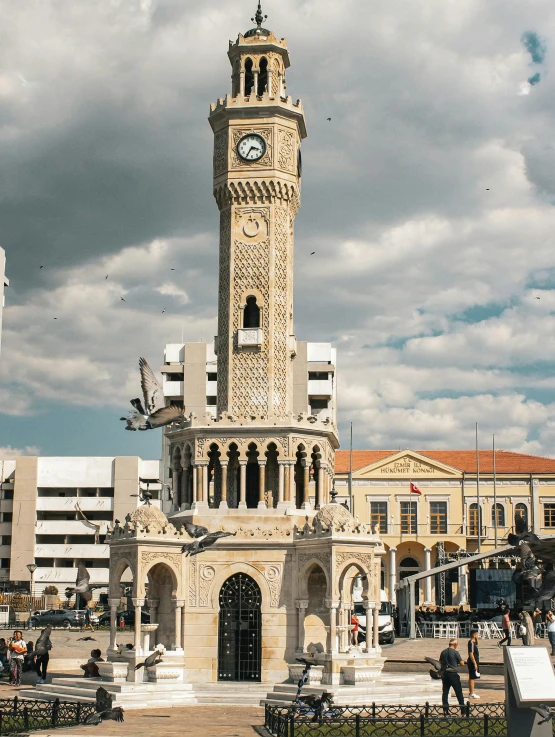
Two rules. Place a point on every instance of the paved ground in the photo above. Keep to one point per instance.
(239, 721)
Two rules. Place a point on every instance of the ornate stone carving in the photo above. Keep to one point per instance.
(223, 310)
(365, 560)
(193, 581)
(117, 555)
(220, 152)
(151, 517)
(161, 556)
(286, 150)
(207, 574)
(323, 558)
(265, 162)
(273, 575)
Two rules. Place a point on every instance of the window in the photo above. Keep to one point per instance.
(318, 376)
(5, 540)
(473, 520)
(174, 377)
(4, 562)
(249, 77)
(408, 518)
(317, 404)
(438, 518)
(7, 516)
(251, 314)
(521, 510)
(262, 77)
(213, 376)
(8, 494)
(211, 401)
(549, 515)
(498, 515)
(378, 516)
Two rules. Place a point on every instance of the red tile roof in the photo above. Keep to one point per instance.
(463, 460)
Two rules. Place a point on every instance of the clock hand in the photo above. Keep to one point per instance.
(250, 149)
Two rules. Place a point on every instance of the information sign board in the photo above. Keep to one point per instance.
(531, 674)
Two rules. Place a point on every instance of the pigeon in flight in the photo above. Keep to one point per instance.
(156, 414)
(522, 533)
(107, 275)
(41, 267)
(328, 119)
(163, 310)
(546, 712)
(547, 589)
(436, 669)
(82, 586)
(203, 538)
(313, 252)
(122, 299)
(153, 659)
(115, 714)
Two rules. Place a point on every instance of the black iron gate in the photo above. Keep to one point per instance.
(239, 630)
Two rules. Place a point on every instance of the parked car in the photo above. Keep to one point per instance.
(128, 618)
(58, 618)
(94, 617)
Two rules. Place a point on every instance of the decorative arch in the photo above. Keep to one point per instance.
(119, 563)
(304, 573)
(150, 560)
(220, 575)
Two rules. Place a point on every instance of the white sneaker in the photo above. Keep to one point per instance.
(473, 696)
(41, 680)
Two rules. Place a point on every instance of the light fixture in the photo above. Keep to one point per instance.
(32, 567)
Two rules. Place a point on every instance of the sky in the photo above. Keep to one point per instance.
(429, 200)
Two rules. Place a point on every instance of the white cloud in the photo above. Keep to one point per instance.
(8, 453)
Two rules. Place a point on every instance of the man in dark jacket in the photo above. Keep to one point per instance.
(450, 659)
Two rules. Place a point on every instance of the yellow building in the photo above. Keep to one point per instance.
(413, 526)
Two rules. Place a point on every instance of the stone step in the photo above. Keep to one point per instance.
(91, 684)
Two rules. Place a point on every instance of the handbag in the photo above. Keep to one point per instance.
(521, 630)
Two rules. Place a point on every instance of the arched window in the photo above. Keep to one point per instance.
(498, 515)
(521, 510)
(473, 522)
(251, 314)
(262, 77)
(409, 563)
(249, 77)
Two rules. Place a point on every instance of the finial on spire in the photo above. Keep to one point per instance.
(259, 18)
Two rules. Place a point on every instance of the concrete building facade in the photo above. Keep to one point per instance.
(55, 511)
(457, 513)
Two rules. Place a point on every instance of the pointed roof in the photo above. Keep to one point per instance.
(464, 460)
(259, 18)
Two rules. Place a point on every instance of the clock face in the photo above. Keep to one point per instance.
(251, 147)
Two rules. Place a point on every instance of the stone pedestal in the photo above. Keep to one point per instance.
(165, 673)
(314, 676)
(113, 672)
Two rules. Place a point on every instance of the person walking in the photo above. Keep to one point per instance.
(506, 627)
(473, 663)
(44, 646)
(450, 659)
(550, 626)
(87, 621)
(17, 647)
(537, 617)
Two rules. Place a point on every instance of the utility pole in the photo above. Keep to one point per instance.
(479, 510)
(494, 498)
(351, 507)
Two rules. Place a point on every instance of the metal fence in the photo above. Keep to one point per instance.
(471, 720)
(25, 715)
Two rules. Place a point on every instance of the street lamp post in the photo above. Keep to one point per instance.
(31, 567)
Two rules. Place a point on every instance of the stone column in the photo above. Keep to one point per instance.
(242, 83)
(255, 85)
(319, 500)
(223, 501)
(301, 605)
(344, 621)
(376, 628)
(184, 501)
(270, 77)
(153, 605)
(205, 490)
(114, 604)
(368, 606)
(138, 604)
(281, 484)
(333, 605)
(261, 484)
(306, 484)
(427, 581)
(286, 482)
(178, 605)
(392, 575)
(292, 487)
(195, 490)
(242, 485)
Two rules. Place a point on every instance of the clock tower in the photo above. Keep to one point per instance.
(258, 131)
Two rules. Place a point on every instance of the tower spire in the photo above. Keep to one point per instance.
(258, 17)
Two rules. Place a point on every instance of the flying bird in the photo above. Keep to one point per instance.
(547, 589)
(122, 299)
(202, 538)
(153, 659)
(41, 267)
(436, 669)
(328, 119)
(156, 414)
(313, 252)
(82, 586)
(85, 639)
(163, 310)
(90, 524)
(172, 269)
(55, 318)
(546, 712)
(522, 533)
(107, 275)
(115, 714)
(537, 297)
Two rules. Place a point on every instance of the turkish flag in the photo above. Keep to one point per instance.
(414, 489)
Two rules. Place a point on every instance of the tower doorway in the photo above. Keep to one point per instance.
(240, 630)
